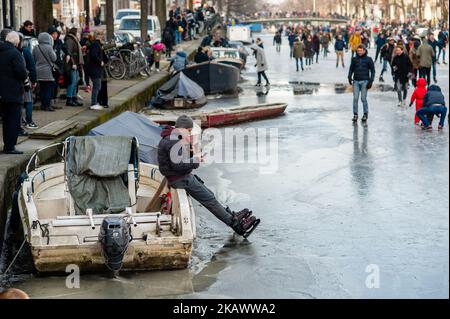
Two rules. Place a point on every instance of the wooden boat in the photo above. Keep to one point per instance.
(58, 237)
(228, 116)
(241, 114)
(214, 77)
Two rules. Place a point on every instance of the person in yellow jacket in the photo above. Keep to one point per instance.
(355, 41)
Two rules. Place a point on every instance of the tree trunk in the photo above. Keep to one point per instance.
(144, 14)
(404, 9)
(109, 16)
(43, 15)
(161, 12)
(444, 10)
(219, 5)
(364, 8)
(419, 4)
(87, 9)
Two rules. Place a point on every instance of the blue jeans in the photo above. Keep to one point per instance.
(384, 69)
(441, 49)
(28, 112)
(360, 87)
(72, 88)
(177, 37)
(432, 110)
(96, 86)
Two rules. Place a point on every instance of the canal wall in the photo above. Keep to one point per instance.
(133, 98)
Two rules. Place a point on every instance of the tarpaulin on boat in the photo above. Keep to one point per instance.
(136, 125)
(181, 87)
(95, 166)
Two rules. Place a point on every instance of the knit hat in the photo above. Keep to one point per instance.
(184, 121)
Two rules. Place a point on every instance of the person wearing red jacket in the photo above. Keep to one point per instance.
(418, 95)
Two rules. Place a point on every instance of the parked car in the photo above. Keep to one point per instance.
(132, 24)
(121, 38)
(124, 13)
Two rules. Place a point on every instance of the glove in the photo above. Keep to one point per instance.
(350, 80)
(410, 104)
(369, 85)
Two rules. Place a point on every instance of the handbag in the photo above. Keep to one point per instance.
(56, 72)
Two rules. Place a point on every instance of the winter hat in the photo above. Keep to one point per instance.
(73, 31)
(184, 121)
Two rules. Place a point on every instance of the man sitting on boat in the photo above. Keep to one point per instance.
(177, 164)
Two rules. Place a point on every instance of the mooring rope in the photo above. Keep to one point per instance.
(15, 257)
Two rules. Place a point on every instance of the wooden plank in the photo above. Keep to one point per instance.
(53, 129)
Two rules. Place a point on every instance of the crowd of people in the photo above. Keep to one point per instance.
(410, 55)
(67, 60)
(50, 66)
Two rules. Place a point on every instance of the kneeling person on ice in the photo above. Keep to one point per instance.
(176, 161)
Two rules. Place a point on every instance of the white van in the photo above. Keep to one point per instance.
(123, 13)
(132, 24)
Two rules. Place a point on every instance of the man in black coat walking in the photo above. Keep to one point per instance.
(12, 76)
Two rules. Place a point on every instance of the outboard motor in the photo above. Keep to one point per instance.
(115, 235)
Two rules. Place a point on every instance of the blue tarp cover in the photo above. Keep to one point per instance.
(134, 125)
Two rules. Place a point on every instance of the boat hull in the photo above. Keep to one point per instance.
(89, 258)
(237, 115)
(73, 239)
(214, 77)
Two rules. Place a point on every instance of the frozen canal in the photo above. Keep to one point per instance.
(346, 203)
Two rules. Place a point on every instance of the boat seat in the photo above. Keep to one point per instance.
(52, 202)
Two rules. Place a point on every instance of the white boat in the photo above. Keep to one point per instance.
(229, 56)
(240, 33)
(160, 222)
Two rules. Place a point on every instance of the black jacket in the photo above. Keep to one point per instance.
(95, 60)
(13, 74)
(362, 68)
(402, 66)
(386, 52)
(173, 171)
(201, 57)
(27, 33)
(433, 96)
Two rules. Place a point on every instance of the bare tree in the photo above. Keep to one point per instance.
(43, 14)
(144, 14)
(420, 9)
(160, 10)
(444, 9)
(109, 14)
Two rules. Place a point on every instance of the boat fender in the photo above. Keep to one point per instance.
(114, 236)
(166, 207)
